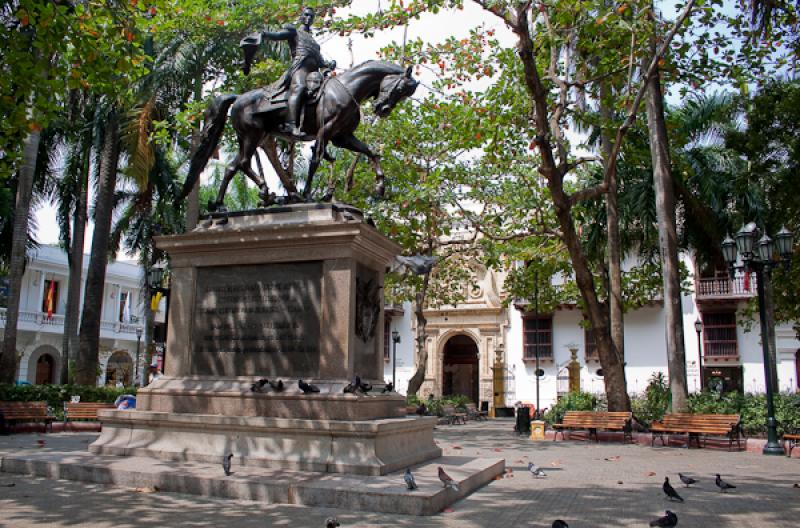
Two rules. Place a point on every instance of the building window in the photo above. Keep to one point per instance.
(590, 346)
(125, 307)
(538, 336)
(719, 335)
(50, 300)
(387, 327)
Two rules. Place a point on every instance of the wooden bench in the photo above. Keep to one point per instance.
(84, 410)
(696, 425)
(474, 414)
(452, 416)
(593, 421)
(792, 439)
(26, 412)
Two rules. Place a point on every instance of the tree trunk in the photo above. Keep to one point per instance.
(667, 242)
(614, 244)
(610, 359)
(418, 378)
(88, 352)
(19, 240)
(70, 342)
(193, 200)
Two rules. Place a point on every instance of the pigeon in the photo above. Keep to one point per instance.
(409, 478)
(722, 485)
(259, 385)
(277, 386)
(667, 521)
(446, 480)
(418, 264)
(331, 522)
(350, 389)
(535, 470)
(688, 481)
(389, 387)
(365, 387)
(226, 464)
(670, 491)
(306, 387)
(558, 523)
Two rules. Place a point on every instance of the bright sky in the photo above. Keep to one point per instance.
(430, 28)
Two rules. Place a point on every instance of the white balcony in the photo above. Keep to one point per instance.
(39, 322)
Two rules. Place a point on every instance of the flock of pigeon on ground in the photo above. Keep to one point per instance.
(669, 520)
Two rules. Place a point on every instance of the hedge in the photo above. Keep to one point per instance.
(56, 395)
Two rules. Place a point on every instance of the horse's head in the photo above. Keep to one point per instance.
(393, 89)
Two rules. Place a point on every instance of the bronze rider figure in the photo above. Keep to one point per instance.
(306, 59)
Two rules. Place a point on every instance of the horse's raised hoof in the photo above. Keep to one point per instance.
(267, 198)
(380, 190)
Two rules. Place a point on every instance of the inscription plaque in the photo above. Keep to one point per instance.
(257, 320)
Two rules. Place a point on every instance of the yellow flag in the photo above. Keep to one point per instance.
(155, 301)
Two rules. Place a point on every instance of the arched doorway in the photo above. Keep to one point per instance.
(45, 369)
(460, 367)
(119, 369)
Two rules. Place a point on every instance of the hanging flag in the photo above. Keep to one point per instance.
(746, 281)
(155, 301)
(50, 302)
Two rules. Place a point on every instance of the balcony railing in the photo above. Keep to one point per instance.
(724, 287)
(55, 323)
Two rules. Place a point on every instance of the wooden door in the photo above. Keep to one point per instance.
(44, 370)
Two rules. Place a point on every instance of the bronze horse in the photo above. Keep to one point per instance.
(334, 118)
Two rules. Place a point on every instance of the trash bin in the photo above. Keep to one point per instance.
(523, 426)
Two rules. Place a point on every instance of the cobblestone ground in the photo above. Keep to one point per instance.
(588, 485)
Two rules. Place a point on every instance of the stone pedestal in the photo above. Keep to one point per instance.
(284, 293)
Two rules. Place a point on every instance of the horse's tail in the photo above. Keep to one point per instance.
(215, 116)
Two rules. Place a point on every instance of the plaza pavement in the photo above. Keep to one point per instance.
(588, 485)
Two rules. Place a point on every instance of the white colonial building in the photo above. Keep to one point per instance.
(41, 324)
(487, 351)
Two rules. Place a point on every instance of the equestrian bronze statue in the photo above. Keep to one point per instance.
(307, 104)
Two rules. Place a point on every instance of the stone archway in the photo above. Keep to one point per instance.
(460, 367)
(119, 368)
(44, 366)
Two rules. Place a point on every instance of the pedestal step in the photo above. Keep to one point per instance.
(386, 494)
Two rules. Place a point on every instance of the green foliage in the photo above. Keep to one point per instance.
(572, 401)
(436, 406)
(654, 403)
(751, 407)
(56, 395)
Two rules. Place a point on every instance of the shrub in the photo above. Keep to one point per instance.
(573, 401)
(56, 395)
(654, 403)
(435, 406)
(751, 407)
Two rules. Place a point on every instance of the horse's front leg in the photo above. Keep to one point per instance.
(350, 142)
(318, 153)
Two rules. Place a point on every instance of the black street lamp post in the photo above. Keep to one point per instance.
(154, 278)
(757, 256)
(136, 380)
(395, 340)
(698, 327)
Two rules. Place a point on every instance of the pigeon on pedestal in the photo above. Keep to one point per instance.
(389, 387)
(558, 523)
(226, 464)
(307, 387)
(409, 478)
(277, 386)
(447, 480)
(259, 385)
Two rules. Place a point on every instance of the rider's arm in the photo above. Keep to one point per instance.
(286, 33)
